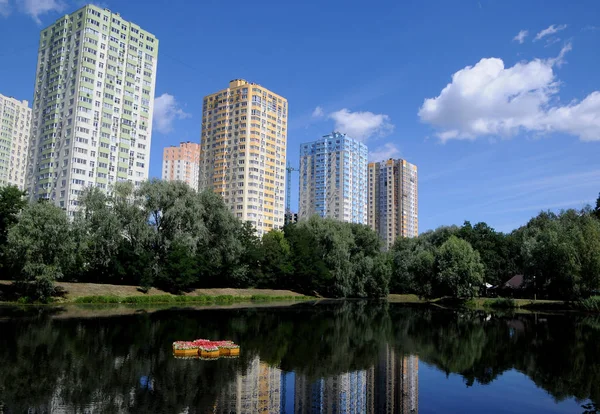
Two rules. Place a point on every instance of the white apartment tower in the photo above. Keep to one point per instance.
(15, 127)
(333, 179)
(92, 107)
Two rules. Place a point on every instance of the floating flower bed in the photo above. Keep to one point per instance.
(229, 350)
(205, 348)
(209, 351)
(184, 348)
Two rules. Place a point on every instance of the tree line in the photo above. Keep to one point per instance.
(168, 236)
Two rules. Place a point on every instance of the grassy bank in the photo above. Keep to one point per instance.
(184, 299)
(586, 305)
(104, 293)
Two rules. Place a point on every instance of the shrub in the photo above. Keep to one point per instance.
(591, 304)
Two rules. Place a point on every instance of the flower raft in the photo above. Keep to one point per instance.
(205, 348)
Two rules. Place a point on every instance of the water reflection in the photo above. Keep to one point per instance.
(390, 386)
(343, 357)
(258, 389)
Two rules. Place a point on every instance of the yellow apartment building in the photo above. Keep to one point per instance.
(243, 152)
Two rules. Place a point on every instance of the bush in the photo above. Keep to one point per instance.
(591, 304)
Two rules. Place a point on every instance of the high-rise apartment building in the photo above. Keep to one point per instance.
(243, 150)
(181, 163)
(15, 127)
(393, 199)
(333, 179)
(92, 107)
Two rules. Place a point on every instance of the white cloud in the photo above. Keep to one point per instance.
(384, 152)
(520, 37)
(318, 112)
(551, 40)
(166, 110)
(560, 59)
(489, 99)
(35, 8)
(4, 8)
(361, 125)
(549, 31)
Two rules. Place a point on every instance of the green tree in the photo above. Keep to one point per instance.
(134, 264)
(311, 274)
(276, 266)
(422, 270)
(219, 252)
(40, 248)
(493, 249)
(413, 263)
(252, 255)
(97, 235)
(12, 201)
(459, 271)
(174, 213)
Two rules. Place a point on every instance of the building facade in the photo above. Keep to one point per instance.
(182, 163)
(393, 204)
(15, 128)
(243, 152)
(92, 106)
(333, 179)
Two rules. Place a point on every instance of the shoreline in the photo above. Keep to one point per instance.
(125, 295)
(493, 304)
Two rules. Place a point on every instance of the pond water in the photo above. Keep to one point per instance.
(355, 357)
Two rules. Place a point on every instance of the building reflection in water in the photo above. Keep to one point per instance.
(390, 386)
(257, 390)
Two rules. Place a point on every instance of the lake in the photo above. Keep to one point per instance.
(347, 356)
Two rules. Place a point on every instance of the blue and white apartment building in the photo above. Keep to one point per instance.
(333, 179)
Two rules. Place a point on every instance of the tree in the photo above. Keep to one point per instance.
(276, 266)
(337, 259)
(252, 254)
(12, 201)
(219, 251)
(459, 271)
(40, 248)
(134, 264)
(174, 216)
(493, 249)
(597, 209)
(97, 233)
(311, 274)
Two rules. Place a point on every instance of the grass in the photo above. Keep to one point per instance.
(500, 303)
(588, 305)
(176, 299)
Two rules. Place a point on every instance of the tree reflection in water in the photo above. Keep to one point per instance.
(362, 354)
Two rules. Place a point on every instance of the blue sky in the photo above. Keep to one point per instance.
(496, 102)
